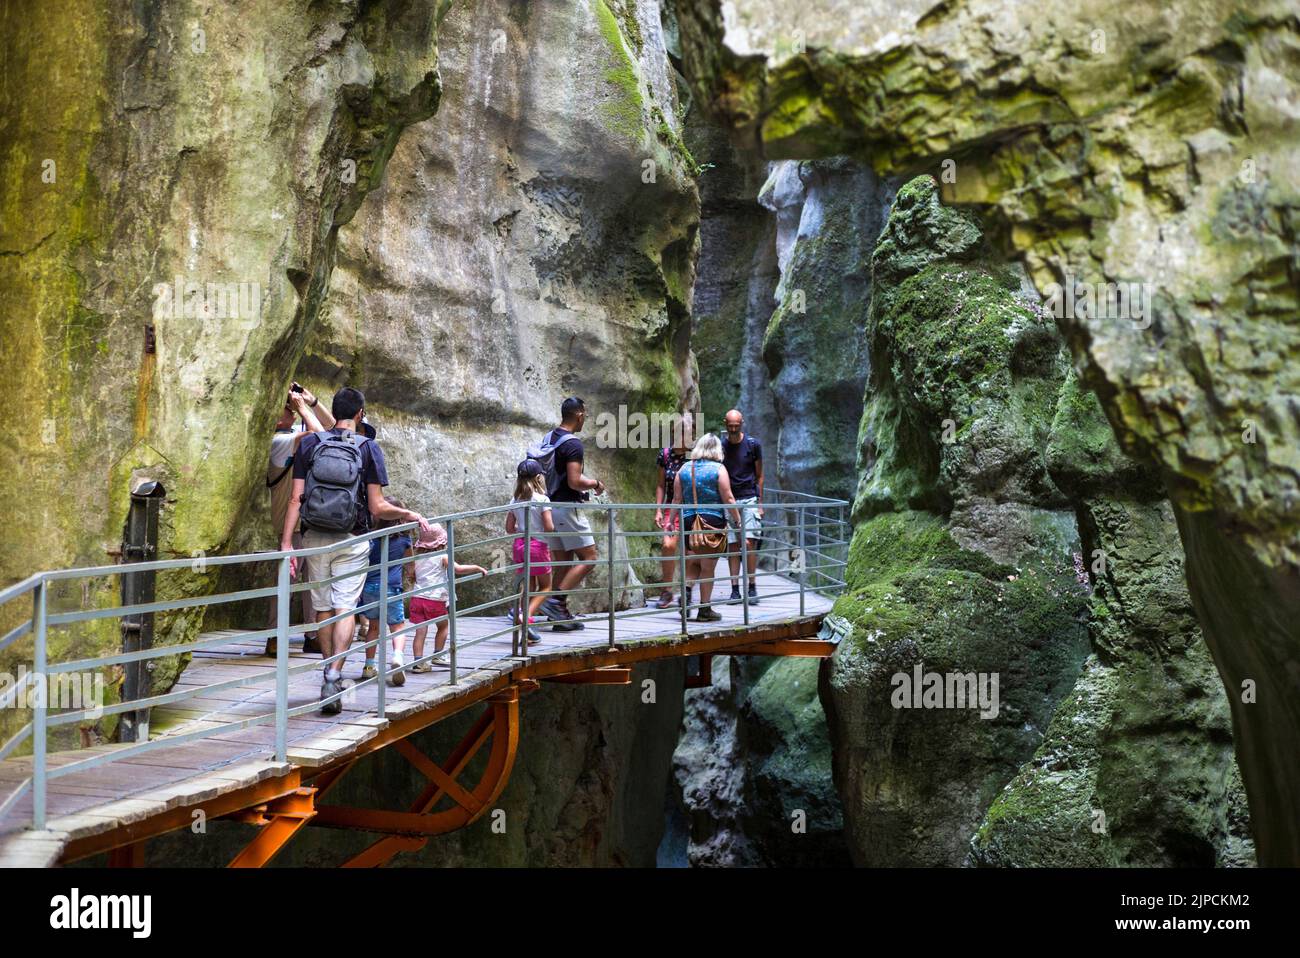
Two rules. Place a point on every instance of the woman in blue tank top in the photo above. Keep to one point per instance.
(704, 488)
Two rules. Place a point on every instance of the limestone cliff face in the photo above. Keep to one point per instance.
(828, 215)
(152, 149)
(534, 239)
(1142, 143)
(519, 252)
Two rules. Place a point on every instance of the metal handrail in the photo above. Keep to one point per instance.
(803, 516)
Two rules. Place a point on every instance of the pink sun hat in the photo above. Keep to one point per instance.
(435, 538)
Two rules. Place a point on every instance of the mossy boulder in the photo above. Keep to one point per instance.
(916, 782)
(963, 554)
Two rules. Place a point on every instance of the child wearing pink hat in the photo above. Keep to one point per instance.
(429, 604)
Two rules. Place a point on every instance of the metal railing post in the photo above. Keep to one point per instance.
(282, 605)
(610, 562)
(524, 601)
(38, 721)
(681, 556)
(381, 650)
(803, 558)
(744, 565)
(451, 594)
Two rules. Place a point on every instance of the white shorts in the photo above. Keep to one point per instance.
(753, 524)
(573, 531)
(344, 594)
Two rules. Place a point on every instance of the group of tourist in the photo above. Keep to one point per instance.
(326, 475)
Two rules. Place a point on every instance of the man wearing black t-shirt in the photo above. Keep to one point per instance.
(573, 539)
(340, 598)
(743, 457)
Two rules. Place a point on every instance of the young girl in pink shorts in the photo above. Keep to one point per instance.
(430, 573)
(530, 494)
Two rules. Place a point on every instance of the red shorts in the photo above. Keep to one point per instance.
(539, 557)
(423, 610)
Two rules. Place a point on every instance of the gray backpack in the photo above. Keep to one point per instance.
(329, 494)
(545, 456)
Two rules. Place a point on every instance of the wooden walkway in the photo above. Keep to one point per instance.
(155, 791)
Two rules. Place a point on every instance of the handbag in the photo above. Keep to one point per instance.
(703, 537)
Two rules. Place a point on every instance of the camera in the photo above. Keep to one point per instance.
(295, 388)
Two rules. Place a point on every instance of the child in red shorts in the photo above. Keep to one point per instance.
(429, 604)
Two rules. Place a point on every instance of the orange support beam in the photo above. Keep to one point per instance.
(284, 817)
(408, 831)
(281, 818)
(787, 648)
(611, 675)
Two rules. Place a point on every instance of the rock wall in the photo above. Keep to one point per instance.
(828, 215)
(1142, 144)
(152, 149)
(516, 254)
(1001, 532)
(753, 769)
(1136, 767)
(962, 559)
(534, 239)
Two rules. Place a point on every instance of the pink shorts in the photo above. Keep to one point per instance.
(424, 610)
(539, 556)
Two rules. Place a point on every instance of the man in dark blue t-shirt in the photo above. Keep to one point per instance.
(743, 457)
(340, 598)
(572, 539)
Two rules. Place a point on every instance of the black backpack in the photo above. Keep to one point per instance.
(329, 494)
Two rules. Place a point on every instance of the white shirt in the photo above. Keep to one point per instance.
(431, 575)
(539, 505)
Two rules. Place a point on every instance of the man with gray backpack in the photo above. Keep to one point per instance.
(338, 481)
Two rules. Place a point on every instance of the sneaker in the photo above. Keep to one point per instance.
(369, 672)
(271, 647)
(753, 594)
(422, 668)
(534, 637)
(665, 600)
(328, 688)
(311, 645)
(708, 614)
(567, 627)
(735, 596)
(686, 596)
(553, 610)
(397, 678)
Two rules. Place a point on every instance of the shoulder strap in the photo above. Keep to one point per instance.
(694, 495)
(272, 483)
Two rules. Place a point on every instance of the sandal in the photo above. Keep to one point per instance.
(665, 600)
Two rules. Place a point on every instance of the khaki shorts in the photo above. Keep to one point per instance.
(344, 594)
(753, 524)
(572, 530)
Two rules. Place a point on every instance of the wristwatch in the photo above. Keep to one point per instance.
(312, 404)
